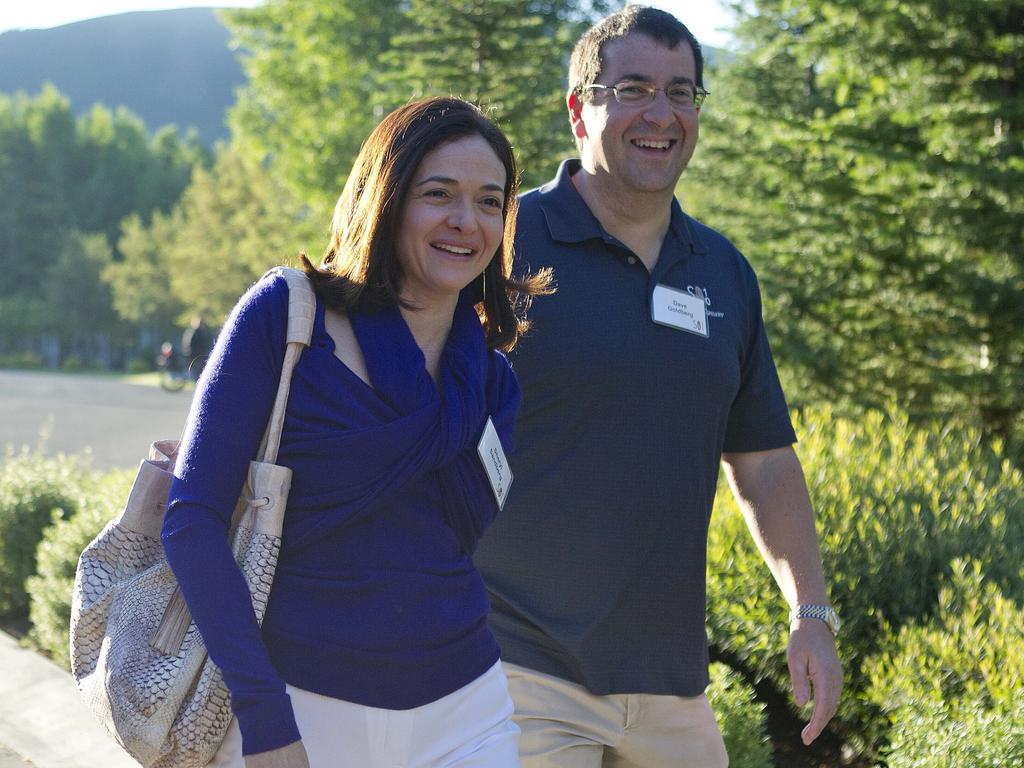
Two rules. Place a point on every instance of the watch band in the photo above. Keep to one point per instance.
(825, 613)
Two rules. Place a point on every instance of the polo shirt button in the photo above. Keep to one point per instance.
(631, 259)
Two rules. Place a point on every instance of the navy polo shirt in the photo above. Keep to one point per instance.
(596, 566)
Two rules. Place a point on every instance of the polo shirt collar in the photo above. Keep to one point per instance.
(570, 220)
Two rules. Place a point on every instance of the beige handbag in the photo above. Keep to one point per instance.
(139, 661)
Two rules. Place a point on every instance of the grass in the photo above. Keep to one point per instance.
(147, 379)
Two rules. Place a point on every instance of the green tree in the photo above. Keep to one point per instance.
(140, 281)
(84, 317)
(505, 55)
(172, 160)
(63, 180)
(322, 73)
(313, 75)
(121, 171)
(868, 157)
(234, 222)
(33, 208)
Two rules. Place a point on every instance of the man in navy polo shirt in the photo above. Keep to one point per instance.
(647, 368)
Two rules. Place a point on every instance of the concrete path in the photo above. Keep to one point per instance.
(43, 722)
(68, 414)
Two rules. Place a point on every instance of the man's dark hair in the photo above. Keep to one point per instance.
(587, 57)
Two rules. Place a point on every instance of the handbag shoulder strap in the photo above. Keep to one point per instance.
(301, 312)
(170, 633)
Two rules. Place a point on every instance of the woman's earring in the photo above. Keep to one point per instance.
(483, 277)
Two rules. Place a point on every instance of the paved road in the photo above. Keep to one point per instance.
(43, 722)
(63, 413)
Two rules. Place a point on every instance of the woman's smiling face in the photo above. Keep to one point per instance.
(452, 223)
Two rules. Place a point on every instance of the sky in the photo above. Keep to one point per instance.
(705, 18)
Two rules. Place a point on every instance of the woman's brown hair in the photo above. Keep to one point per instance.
(360, 270)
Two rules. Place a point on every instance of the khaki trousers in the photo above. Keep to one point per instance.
(565, 726)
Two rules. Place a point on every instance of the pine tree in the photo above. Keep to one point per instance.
(314, 74)
(322, 73)
(507, 56)
(868, 157)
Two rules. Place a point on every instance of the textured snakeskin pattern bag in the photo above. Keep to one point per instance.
(139, 661)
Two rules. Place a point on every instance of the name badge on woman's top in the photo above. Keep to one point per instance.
(495, 465)
(678, 309)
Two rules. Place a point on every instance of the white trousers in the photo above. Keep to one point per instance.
(470, 728)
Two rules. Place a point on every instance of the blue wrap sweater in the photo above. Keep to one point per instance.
(376, 599)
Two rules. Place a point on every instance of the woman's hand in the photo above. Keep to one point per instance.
(292, 756)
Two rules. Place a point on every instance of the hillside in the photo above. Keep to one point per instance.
(169, 67)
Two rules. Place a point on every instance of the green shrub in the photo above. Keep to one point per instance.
(929, 738)
(22, 360)
(32, 489)
(951, 687)
(140, 365)
(57, 558)
(75, 364)
(895, 505)
(741, 719)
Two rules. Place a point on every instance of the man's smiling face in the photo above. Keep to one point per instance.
(642, 148)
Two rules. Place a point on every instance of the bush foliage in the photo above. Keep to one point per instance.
(741, 719)
(919, 529)
(50, 589)
(33, 490)
(895, 505)
(951, 686)
(21, 360)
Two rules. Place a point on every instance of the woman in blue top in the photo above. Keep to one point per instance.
(374, 649)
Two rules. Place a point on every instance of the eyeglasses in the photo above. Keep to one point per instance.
(634, 93)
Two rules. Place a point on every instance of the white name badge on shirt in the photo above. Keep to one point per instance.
(495, 464)
(678, 309)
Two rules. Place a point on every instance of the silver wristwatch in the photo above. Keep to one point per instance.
(824, 613)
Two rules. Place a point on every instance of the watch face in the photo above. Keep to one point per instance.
(833, 621)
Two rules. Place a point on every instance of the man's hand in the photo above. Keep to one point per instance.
(815, 671)
(292, 756)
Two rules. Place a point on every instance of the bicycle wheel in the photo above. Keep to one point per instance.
(171, 381)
